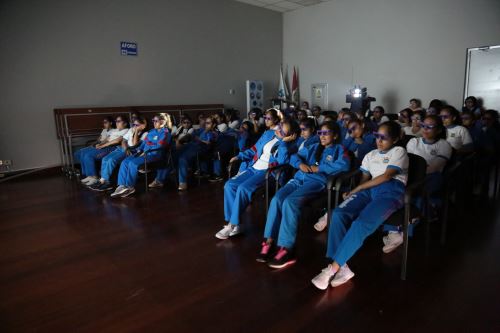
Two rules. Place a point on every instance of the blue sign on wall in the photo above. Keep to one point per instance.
(128, 48)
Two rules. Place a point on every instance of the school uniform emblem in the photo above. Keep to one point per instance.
(329, 158)
(386, 160)
(434, 152)
(155, 137)
(452, 135)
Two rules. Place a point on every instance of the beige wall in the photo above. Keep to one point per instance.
(59, 53)
(399, 49)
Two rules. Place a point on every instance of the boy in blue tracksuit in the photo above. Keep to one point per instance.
(366, 207)
(247, 137)
(185, 155)
(359, 141)
(308, 135)
(273, 148)
(344, 123)
(226, 143)
(315, 163)
(201, 144)
(158, 138)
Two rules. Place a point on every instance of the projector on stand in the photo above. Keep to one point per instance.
(359, 99)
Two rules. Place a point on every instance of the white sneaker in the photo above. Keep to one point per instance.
(119, 191)
(155, 184)
(91, 182)
(321, 224)
(129, 191)
(322, 280)
(343, 275)
(86, 180)
(385, 239)
(392, 241)
(229, 230)
(236, 231)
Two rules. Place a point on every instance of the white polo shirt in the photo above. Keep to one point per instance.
(234, 124)
(116, 133)
(382, 120)
(458, 136)
(435, 154)
(104, 135)
(182, 132)
(376, 162)
(222, 127)
(130, 135)
(409, 131)
(320, 120)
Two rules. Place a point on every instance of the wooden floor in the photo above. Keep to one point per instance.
(73, 260)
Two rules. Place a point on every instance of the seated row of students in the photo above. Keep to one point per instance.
(367, 205)
(360, 143)
(365, 208)
(128, 148)
(471, 104)
(109, 139)
(274, 147)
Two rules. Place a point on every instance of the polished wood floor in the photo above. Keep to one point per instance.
(73, 260)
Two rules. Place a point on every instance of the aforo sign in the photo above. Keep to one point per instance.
(128, 48)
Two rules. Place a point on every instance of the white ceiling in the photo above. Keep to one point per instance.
(281, 5)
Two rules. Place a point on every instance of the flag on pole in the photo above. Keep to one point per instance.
(282, 91)
(295, 87)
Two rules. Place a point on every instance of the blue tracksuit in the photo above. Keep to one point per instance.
(187, 155)
(238, 190)
(304, 143)
(343, 133)
(489, 141)
(245, 141)
(88, 157)
(360, 150)
(359, 216)
(226, 143)
(284, 211)
(476, 133)
(156, 138)
(78, 156)
(110, 161)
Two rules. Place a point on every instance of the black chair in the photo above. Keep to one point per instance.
(272, 174)
(166, 161)
(225, 148)
(331, 183)
(450, 185)
(392, 116)
(417, 172)
(405, 139)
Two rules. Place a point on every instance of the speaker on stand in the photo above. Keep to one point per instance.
(255, 95)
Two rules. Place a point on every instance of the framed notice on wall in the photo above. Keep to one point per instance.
(319, 95)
